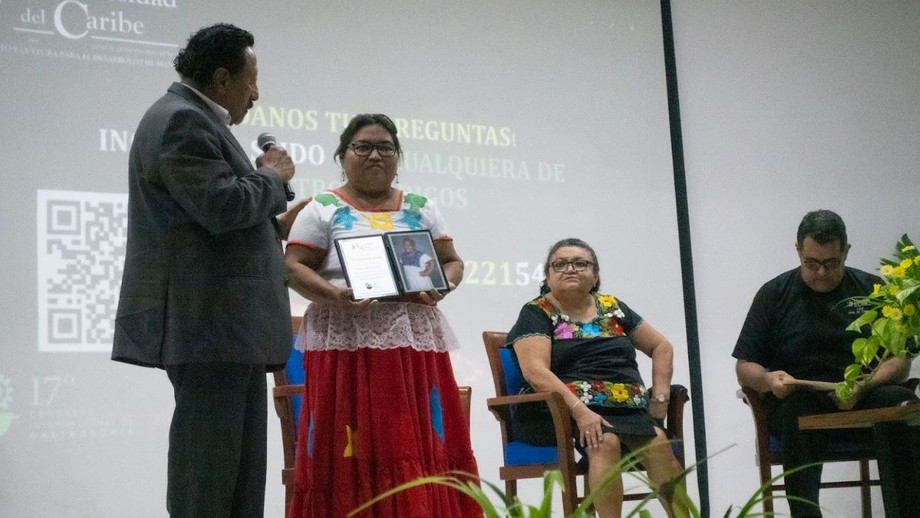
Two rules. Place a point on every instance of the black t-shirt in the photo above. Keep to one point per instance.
(792, 328)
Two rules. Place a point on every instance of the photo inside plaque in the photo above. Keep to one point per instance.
(416, 262)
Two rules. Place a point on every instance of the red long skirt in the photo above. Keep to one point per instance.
(372, 420)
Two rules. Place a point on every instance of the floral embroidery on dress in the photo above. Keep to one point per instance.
(610, 394)
(412, 218)
(564, 330)
(326, 199)
(415, 201)
(606, 324)
(343, 218)
(379, 220)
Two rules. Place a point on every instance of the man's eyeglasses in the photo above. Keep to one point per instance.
(362, 148)
(828, 264)
(578, 266)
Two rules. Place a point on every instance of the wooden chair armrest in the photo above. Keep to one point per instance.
(533, 397)
(559, 411)
(282, 395)
(675, 422)
(500, 406)
(287, 390)
(754, 400)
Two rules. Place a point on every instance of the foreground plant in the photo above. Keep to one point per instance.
(512, 507)
(891, 312)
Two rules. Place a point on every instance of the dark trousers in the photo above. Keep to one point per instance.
(217, 441)
(806, 447)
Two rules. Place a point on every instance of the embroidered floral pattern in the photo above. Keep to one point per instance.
(343, 218)
(609, 394)
(564, 330)
(606, 324)
(412, 218)
(415, 201)
(326, 199)
(379, 220)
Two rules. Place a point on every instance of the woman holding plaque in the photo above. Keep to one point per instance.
(381, 405)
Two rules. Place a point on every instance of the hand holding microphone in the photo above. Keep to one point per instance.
(277, 159)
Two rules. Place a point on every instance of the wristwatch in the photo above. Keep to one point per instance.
(661, 398)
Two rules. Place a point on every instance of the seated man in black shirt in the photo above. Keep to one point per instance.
(796, 330)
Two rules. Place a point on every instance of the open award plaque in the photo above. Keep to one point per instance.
(390, 264)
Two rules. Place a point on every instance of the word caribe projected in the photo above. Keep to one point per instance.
(74, 20)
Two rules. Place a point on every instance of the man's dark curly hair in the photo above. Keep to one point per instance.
(824, 227)
(221, 45)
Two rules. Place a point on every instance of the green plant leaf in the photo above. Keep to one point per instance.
(853, 372)
(866, 318)
(908, 288)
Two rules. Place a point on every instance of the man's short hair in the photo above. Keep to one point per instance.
(823, 226)
(221, 45)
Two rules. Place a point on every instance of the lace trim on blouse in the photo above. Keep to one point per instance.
(385, 325)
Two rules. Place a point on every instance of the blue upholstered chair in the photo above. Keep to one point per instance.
(770, 453)
(522, 460)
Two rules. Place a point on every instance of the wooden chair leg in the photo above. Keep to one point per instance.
(866, 488)
(288, 496)
(766, 475)
(570, 490)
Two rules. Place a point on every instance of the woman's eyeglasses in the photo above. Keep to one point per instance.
(578, 266)
(362, 148)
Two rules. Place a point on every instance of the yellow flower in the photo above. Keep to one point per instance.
(892, 312)
(885, 270)
(897, 271)
(908, 248)
(619, 392)
(607, 301)
(917, 260)
(905, 264)
(876, 290)
(892, 289)
(909, 310)
(901, 328)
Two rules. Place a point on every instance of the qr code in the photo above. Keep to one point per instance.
(81, 251)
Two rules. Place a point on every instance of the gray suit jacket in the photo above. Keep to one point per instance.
(204, 274)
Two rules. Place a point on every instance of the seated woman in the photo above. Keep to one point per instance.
(582, 345)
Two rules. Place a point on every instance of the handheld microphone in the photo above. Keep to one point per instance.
(265, 142)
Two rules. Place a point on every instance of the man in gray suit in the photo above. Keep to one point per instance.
(203, 294)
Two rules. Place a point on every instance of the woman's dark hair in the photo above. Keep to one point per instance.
(570, 241)
(219, 46)
(360, 121)
(824, 227)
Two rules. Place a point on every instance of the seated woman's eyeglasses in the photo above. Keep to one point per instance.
(362, 148)
(815, 265)
(578, 266)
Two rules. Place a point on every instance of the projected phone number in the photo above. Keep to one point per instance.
(502, 273)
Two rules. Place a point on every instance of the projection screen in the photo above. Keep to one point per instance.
(524, 121)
